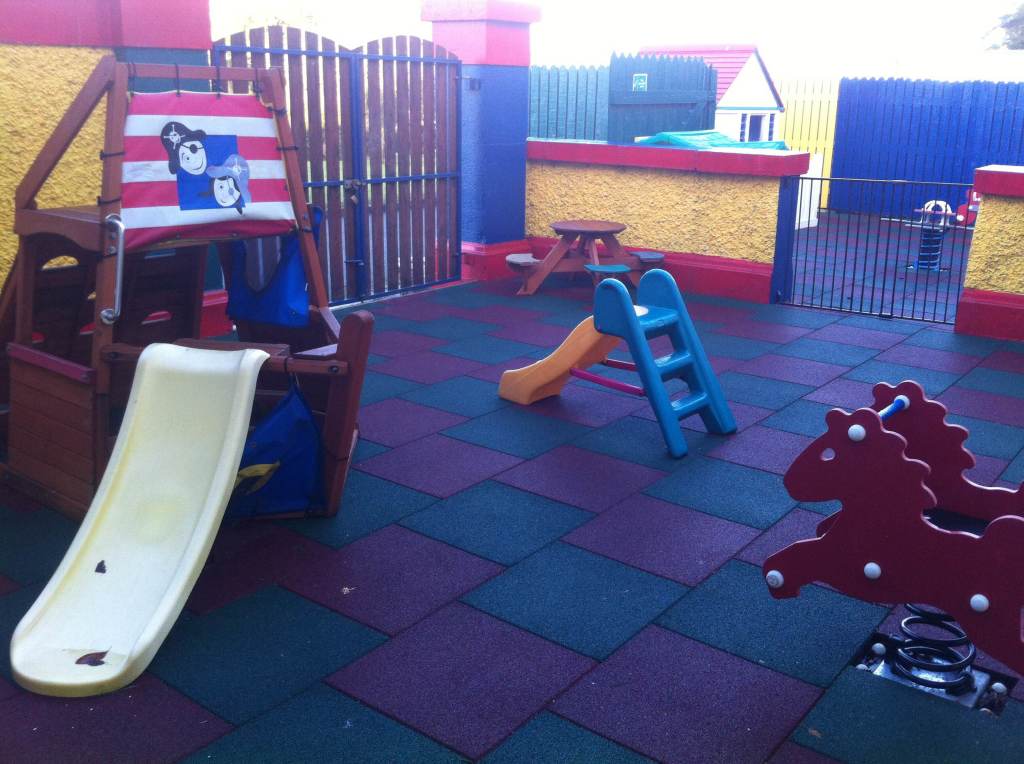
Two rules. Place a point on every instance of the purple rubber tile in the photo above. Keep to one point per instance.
(791, 369)
(791, 753)
(797, 525)
(438, 465)
(498, 314)
(664, 539)
(844, 393)
(1005, 360)
(392, 578)
(462, 677)
(720, 364)
(763, 448)
(929, 358)
(585, 405)
(982, 405)
(744, 414)
(395, 422)
(7, 690)
(852, 335)
(401, 343)
(415, 310)
(247, 558)
(987, 469)
(759, 330)
(534, 333)
(670, 697)
(493, 373)
(724, 314)
(147, 721)
(581, 478)
(427, 367)
(6, 586)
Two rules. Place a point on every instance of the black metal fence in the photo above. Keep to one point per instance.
(865, 259)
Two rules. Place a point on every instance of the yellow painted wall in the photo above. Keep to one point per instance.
(37, 84)
(996, 262)
(721, 215)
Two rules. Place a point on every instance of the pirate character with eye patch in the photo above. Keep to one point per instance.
(229, 183)
(186, 149)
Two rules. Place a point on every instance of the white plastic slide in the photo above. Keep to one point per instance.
(122, 584)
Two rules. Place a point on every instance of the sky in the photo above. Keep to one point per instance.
(798, 39)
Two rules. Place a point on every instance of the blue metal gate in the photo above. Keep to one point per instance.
(377, 134)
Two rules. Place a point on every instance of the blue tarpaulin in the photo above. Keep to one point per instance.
(706, 139)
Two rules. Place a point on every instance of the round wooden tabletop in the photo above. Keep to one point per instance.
(593, 227)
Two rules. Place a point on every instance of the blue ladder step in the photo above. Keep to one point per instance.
(690, 404)
(655, 319)
(670, 365)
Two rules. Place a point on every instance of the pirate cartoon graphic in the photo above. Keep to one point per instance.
(186, 149)
(229, 183)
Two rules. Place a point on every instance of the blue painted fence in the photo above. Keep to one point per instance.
(921, 130)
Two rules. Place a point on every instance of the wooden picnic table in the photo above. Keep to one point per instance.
(576, 247)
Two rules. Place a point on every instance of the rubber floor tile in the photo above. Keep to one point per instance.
(551, 738)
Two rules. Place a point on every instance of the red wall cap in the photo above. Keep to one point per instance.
(762, 162)
(107, 23)
(479, 10)
(493, 43)
(991, 314)
(999, 179)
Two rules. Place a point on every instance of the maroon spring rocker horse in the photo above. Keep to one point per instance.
(888, 465)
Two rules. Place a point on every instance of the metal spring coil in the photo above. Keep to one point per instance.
(935, 654)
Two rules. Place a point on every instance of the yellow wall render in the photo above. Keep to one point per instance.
(37, 84)
(721, 215)
(996, 262)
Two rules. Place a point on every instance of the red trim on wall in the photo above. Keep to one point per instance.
(1000, 179)
(183, 24)
(766, 163)
(501, 248)
(991, 314)
(215, 321)
(486, 262)
(479, 10)
(702, 274)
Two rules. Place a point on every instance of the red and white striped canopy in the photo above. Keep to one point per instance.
(197, 166)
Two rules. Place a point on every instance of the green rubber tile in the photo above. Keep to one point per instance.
(933, 382)
(245, 658)
(323, 725)
(467, 297)
(865, 719)
(761, 391)
(825, 508)
(366, 449)
(369, 504)
(740, 348)
(460, 395)
(378, 387)
(639, 440)
(895, 325)
(1014, 473)
(516, 431)
(550, 738)
(802, 417)
(940, 339)
(497, 521)
(994, 381)
(828, 352)
(811, 637)
(486, 349)
(32, 544)
(12, 607)
(732, 491)
(586, 602)
(793, 316)
(990, 438)
(452, 328)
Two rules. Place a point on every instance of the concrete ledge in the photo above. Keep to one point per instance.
(758, 162)
(1000, 180)
(991, 314)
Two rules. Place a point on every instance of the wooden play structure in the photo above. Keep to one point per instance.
(90, 290)
(912, 529)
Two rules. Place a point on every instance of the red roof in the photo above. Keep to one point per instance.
(726, 60)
